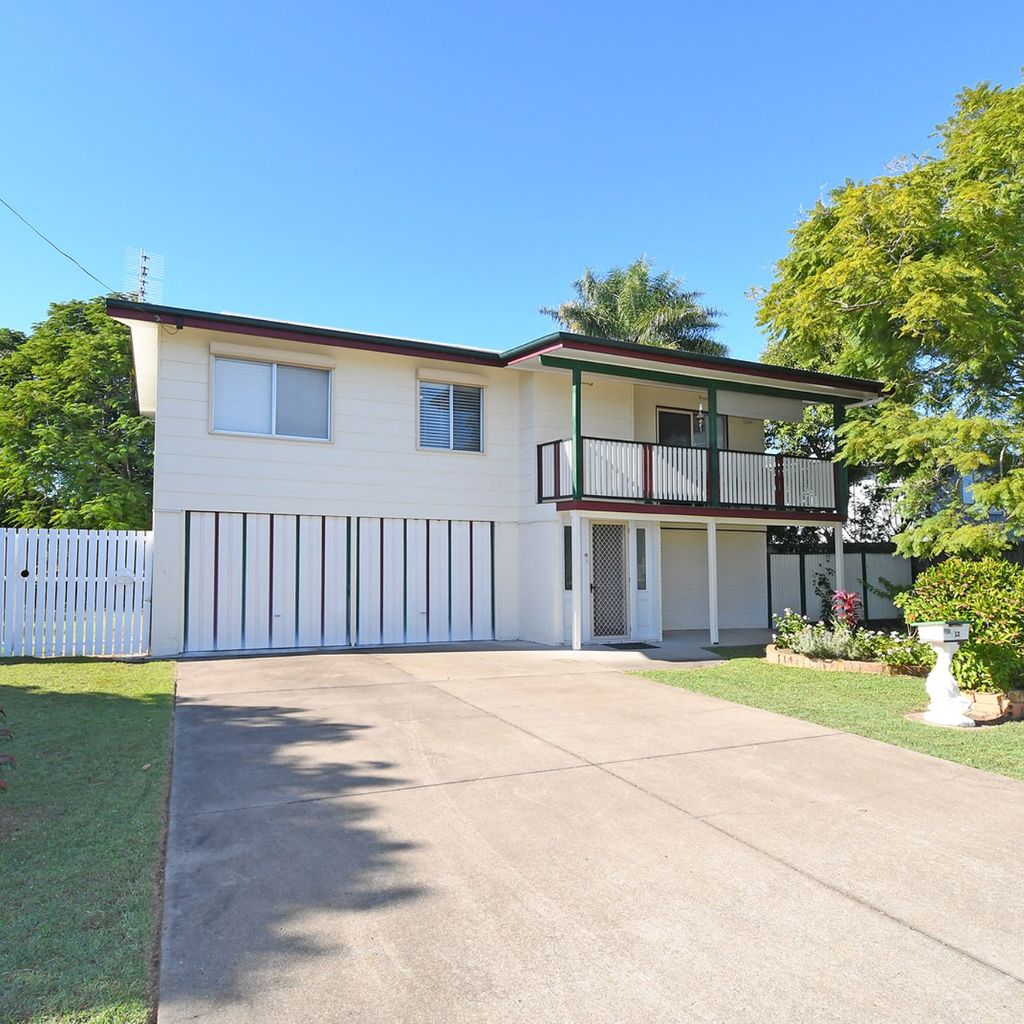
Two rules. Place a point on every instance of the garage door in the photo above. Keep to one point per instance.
(742, 578)
(269, 582)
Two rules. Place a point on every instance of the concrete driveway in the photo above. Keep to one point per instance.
(534, 836)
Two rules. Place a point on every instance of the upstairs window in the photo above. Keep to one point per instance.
(451, 417)
(271, 398)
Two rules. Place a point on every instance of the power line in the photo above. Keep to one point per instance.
(55, 246)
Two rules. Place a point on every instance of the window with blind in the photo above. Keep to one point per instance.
(451, 417)
(271, 398)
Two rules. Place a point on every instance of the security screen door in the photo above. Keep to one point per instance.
(608, 583)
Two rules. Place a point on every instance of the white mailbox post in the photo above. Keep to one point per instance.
(947, 706)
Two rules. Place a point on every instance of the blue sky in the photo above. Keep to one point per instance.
(442, 170)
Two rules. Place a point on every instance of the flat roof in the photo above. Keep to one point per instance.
(560, 343)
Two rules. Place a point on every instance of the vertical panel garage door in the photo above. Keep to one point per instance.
(264, 582)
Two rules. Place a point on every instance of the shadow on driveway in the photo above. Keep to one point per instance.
(244, 883)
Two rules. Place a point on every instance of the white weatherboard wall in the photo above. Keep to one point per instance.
(742, 583)
(371, 468)
(265, 582)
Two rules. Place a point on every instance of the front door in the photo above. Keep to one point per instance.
(608, 580)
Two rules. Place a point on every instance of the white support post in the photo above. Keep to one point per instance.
(713, 581)
(840, 560)
(576, 524)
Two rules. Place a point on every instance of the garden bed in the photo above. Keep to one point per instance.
(777, 656)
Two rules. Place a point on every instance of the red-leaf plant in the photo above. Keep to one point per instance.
(846, 607)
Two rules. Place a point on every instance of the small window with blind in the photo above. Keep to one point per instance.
(451, 417)
(272, 399)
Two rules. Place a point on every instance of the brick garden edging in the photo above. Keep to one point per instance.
(776, 656)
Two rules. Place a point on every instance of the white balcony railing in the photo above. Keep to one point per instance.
(643, 471)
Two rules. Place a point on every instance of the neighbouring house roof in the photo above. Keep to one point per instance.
(550, 351)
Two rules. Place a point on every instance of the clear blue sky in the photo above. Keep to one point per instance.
(440, 170)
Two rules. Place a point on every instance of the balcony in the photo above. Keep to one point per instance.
(641, 471)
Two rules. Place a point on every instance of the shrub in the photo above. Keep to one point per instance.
(836, 642)
(903, 651)
(787, 626)
(987, 593)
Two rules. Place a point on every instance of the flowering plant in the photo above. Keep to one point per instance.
(846, 607)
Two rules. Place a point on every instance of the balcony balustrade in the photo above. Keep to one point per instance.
(641, 471)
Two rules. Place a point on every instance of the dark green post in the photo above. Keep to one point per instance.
(842, 477)
(713, 489)
(577, 434)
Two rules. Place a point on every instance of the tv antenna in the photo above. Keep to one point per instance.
(143, 275)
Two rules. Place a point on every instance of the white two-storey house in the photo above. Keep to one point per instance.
(324, 488)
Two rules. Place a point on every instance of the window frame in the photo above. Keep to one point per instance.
(273, 364)
(692, 413)
(451, 385)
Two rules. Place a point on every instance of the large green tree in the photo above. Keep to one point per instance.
(917, 278)
(634, 304)
(74, 451)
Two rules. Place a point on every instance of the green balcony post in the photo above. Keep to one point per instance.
(842, 476)
(577, 434)
(713, 485)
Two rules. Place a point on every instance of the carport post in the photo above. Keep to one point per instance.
(713, 581)
(840, 567)
(576, 528)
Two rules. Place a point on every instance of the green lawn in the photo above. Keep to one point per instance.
(867, 705)
(80, 830)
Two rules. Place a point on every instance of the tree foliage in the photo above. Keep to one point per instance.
(633, 304)
(74, 451)
(916, 278)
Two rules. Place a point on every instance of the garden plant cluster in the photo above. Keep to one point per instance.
(986, 593)
(842, 640)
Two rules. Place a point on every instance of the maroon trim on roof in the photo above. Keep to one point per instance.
(308, 335)
(704, 511)
(563, 342)
(682, 363)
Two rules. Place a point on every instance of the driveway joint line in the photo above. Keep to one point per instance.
(297, 689)
(814, 879)
(802, 872)
(384, 790)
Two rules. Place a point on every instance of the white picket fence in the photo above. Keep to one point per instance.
(74, 593)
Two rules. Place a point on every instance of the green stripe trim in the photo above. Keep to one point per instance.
(449, 579)
(348, 580)
(245, 567)
(298, 527)
(683, 380)
(494, 630)
(188, 568)
(405, 579)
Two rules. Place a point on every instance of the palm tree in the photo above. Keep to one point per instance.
(633, 305)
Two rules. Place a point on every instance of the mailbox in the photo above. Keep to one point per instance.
(943, 632)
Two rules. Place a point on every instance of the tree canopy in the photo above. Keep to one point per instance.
(634, 304)
(916, 278)
(74, 452)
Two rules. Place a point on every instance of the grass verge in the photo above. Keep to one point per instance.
(80, 838)
(868, 705)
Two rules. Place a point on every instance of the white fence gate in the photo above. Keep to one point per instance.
(74, 593)
(793, 576)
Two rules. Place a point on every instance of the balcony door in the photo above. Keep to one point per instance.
(608, 586)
